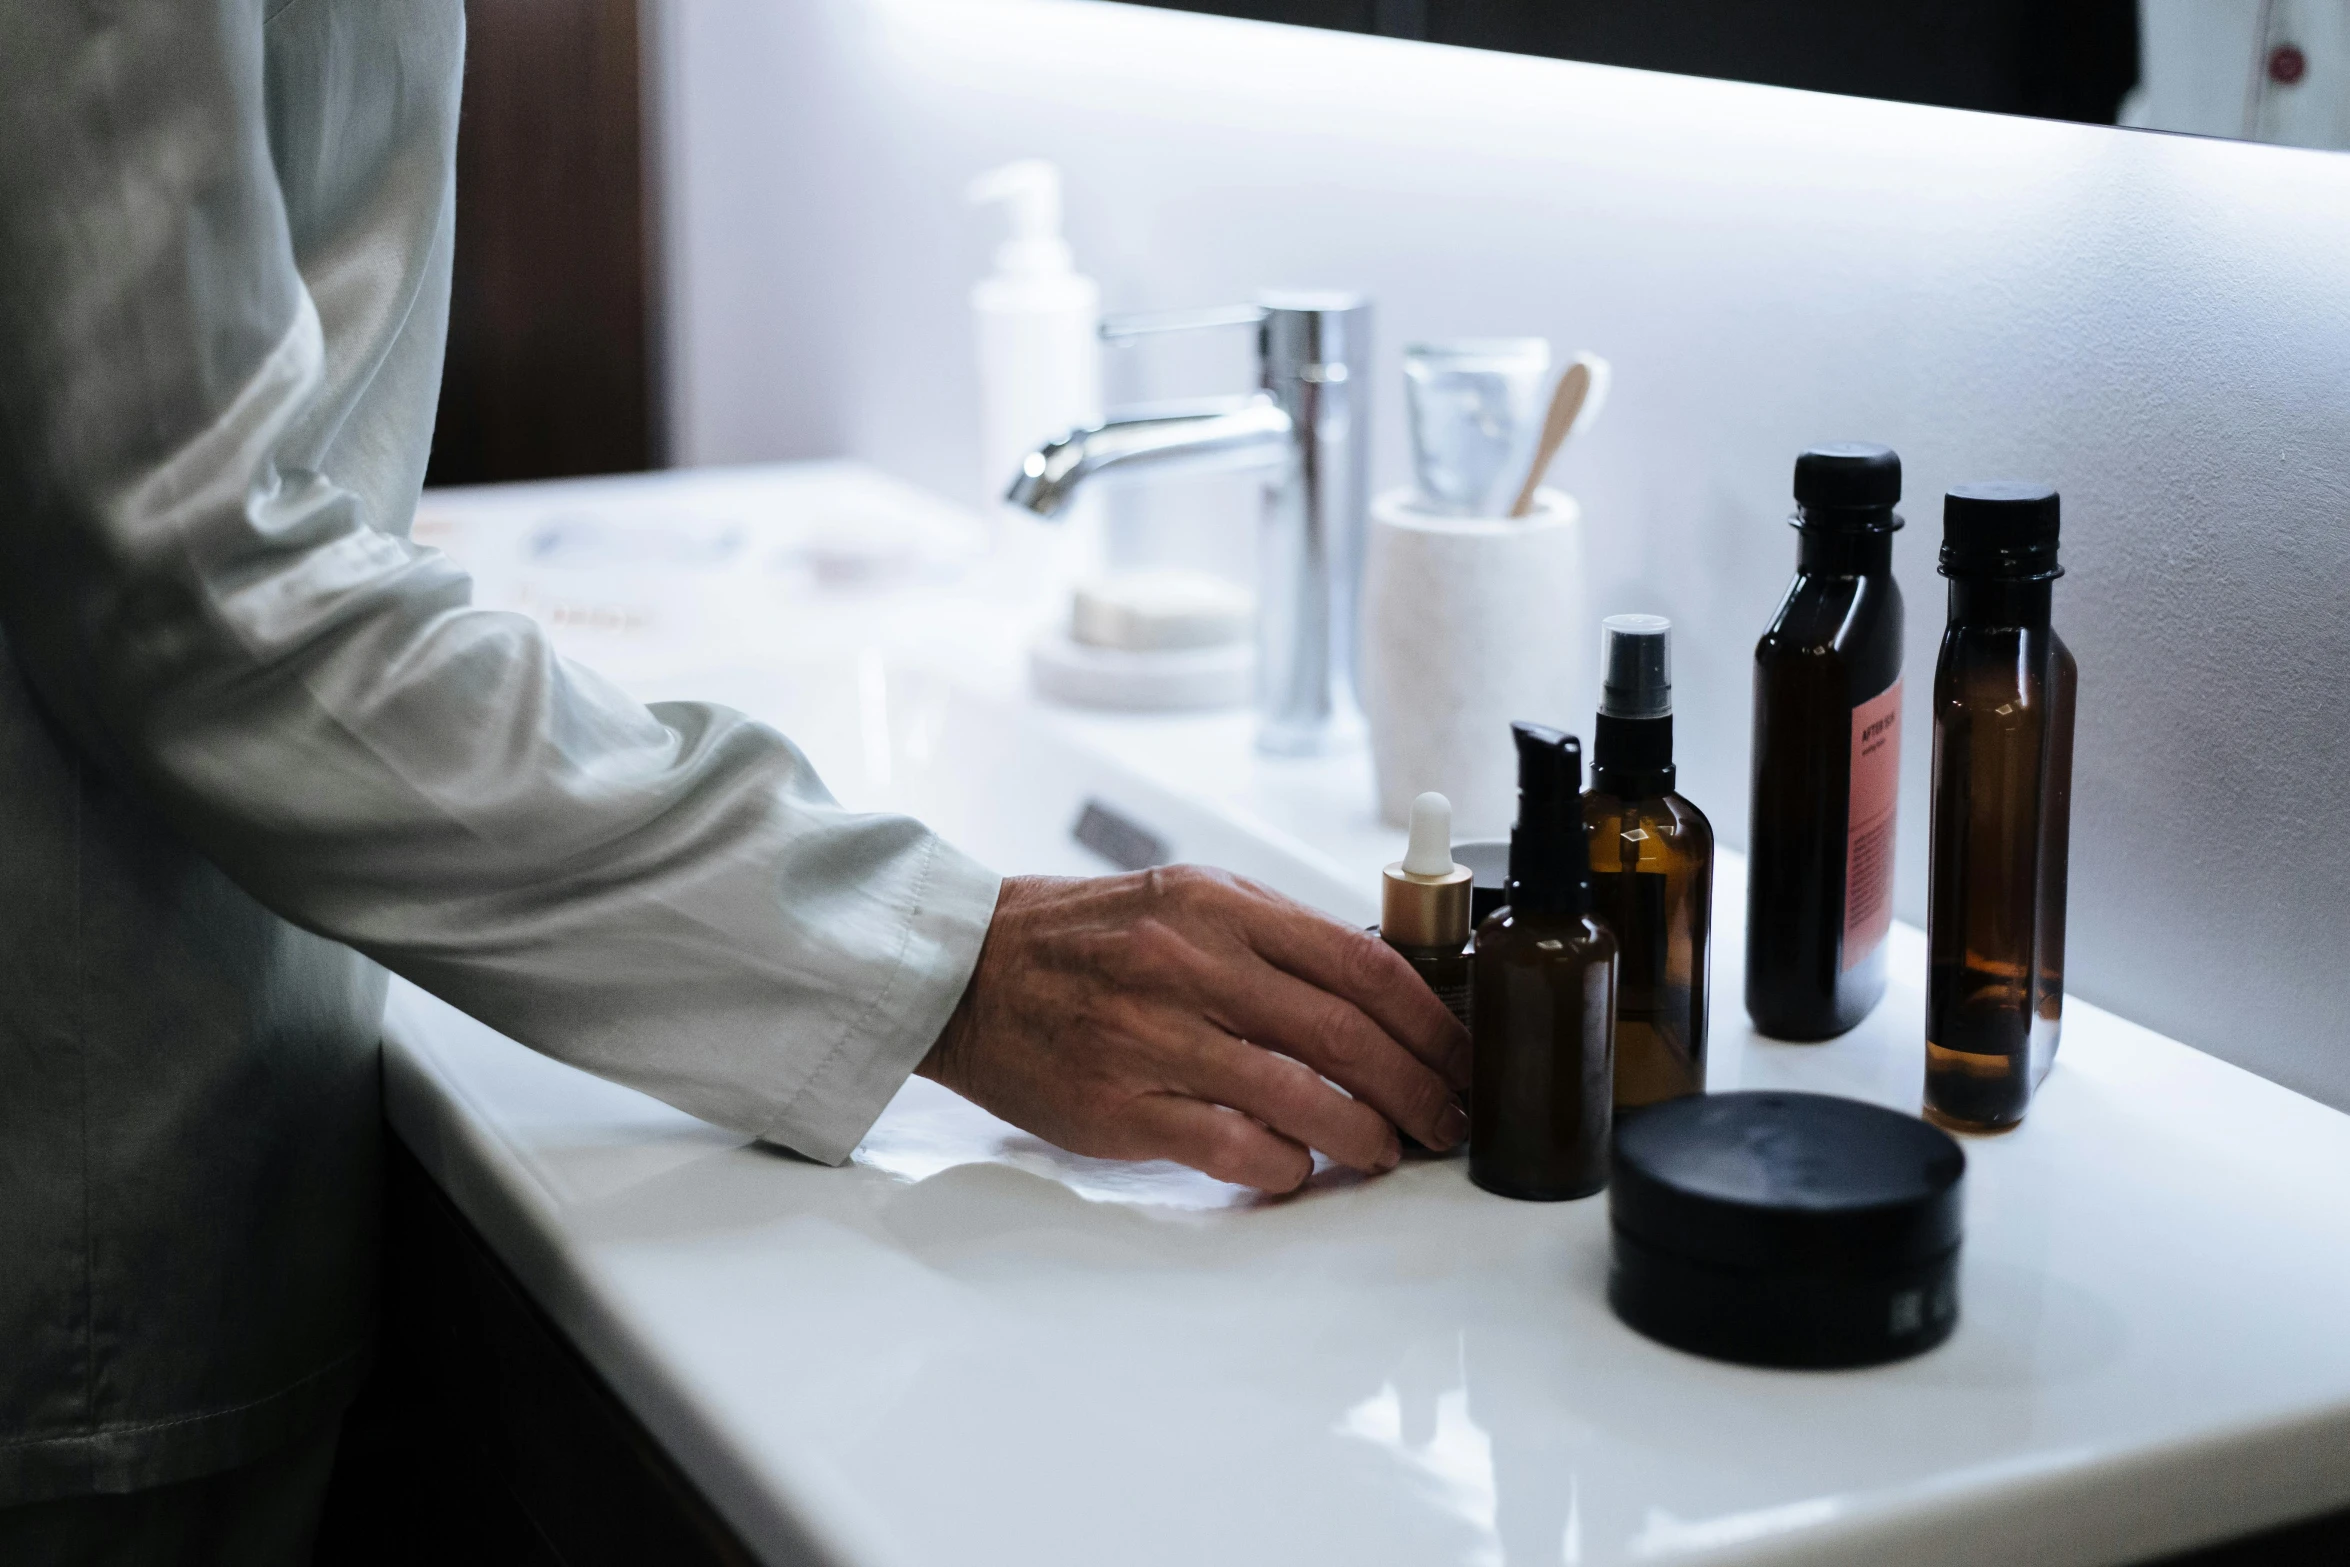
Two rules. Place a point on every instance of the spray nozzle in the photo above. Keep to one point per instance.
(1639, 674)
(1030, 191)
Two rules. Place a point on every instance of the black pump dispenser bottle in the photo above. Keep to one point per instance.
(1827, 755)
(1543, 997)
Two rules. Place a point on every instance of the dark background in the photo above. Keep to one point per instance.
(551, 364)
(2054, 59)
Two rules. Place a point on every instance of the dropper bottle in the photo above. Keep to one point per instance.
(1652, 868)
(1542, 1007)
(1424, 905)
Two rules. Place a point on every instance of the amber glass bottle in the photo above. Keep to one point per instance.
(2004, 692)
(1542, 997)
(1827, 755)
(1652, 868)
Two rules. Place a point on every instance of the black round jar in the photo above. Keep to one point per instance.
(1785, 1229)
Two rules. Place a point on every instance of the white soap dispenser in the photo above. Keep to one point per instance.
(1038, 324)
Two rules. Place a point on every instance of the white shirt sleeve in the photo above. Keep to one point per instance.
(205, 579)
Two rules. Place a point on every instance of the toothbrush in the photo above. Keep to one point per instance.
(1573, 404)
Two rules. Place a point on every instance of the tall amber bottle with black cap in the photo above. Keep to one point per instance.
(1827, 755)
(2004, 693)
(1652, 868)
(1542, 1008)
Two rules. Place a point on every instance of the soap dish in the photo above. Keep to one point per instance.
(1151, 641)
(1152, 680)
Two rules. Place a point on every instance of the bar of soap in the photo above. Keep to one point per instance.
(1161, 610)
(1786, 1229)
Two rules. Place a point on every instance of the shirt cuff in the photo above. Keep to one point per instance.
(938, 948)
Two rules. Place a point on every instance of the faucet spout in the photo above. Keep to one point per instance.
(1245, 432)
(1309, 426)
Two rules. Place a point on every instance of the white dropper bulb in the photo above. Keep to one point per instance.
(1031, 193)
(1430, 850)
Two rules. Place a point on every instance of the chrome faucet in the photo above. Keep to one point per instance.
(1309, 421)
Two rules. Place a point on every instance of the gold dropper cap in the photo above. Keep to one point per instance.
(1424, 897)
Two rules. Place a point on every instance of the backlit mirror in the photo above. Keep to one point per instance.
(2256, 70)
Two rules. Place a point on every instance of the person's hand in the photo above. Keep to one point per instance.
(1138, 1017)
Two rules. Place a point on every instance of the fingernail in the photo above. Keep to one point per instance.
(1390, 1159)
(1451, 1126)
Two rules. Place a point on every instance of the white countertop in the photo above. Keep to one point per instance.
(968, 1347)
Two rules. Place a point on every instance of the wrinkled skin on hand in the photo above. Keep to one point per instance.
(1187, 1014)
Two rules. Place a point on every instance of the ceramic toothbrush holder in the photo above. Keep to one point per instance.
(1469, 623)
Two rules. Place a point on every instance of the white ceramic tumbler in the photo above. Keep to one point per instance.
(1468, 623)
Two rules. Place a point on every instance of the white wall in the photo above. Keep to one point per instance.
(2160, 326)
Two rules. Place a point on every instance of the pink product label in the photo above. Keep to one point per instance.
(1868, 842)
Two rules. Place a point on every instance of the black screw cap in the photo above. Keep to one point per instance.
(2003, 528)
(1846, 476)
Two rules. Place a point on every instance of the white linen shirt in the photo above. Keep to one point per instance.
(248, 730)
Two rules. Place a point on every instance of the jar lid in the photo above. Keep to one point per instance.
(1782, 1229)
(1776, 1182)
(1488, 860)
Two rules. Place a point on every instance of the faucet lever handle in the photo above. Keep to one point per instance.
(1126, 328)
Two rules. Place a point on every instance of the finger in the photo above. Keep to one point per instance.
(1362, 970)
(1220, 1142)
(1339, 1042)
(1292, 1099)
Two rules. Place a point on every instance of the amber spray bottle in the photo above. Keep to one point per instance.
(1424, 905)
(1652, 868)
(1543, 997)
(2004, 693)
(1827, 755)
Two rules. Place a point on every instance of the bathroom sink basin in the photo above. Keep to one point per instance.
(998, 781)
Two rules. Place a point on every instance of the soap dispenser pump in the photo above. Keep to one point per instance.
(1038, 325)
(1543, 997)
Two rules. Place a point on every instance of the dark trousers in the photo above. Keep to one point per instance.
(263, 1514)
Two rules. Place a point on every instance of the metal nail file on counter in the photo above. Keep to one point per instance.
(967, 1347)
